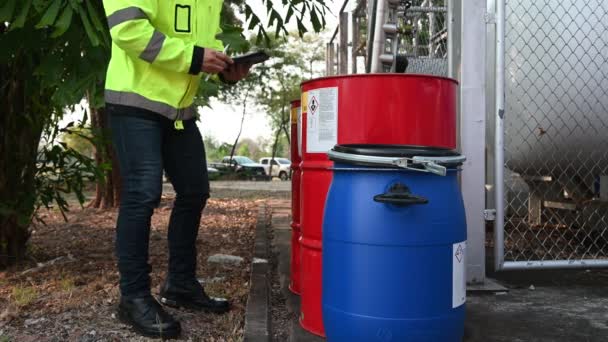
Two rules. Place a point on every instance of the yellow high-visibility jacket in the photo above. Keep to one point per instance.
(157, 52)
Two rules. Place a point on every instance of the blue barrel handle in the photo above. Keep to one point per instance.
(400, 195)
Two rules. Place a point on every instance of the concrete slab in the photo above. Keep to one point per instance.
(257, 313)
(547, 314)
(282, 244)
(488, 286)
(565, 306)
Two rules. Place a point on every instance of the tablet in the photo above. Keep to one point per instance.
(251, 58)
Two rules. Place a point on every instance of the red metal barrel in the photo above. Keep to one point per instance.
(393, 109)
(296, 174)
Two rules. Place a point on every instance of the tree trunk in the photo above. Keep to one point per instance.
(287, 134)
(236, 141)
(286, 118)
(274, 148)
(107, 191)
(99, 188)
(21, 126)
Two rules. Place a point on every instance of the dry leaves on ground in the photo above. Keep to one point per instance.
(68, 291)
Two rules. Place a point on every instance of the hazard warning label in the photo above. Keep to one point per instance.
(322, 120)
(459, 281)
(314, 105)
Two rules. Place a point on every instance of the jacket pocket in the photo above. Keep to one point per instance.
(184, 16)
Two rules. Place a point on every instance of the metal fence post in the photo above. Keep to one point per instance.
(378, 37)
(355, 42)
(329, 60)
(472, 127)
(343, 59)
(499, 159)
(454, 37)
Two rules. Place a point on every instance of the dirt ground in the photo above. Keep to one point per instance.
(68, 290)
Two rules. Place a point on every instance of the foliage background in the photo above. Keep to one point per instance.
(54, 53)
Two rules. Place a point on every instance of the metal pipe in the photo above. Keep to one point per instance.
(354, 22)
(338, 27)
(554, 264)
(431, 29)
(378, 37)
(343, 51)
(370, 37)
(499, 156)
(450, 28)
(329, 67)
(427, 9)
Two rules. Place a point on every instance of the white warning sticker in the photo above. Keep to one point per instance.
(459, 280)
(322, 120)
(300, 131)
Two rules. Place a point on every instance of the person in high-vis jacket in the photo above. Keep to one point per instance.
(160, 51)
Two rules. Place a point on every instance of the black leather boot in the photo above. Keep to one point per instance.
(148, 318)
(191, 295)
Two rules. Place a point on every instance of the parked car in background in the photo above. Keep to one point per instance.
(243, 167)
(281, 167)
(213, 173)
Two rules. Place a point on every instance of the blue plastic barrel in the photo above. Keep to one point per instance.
(394, 239)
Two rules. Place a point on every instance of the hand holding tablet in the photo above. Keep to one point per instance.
(251, 58)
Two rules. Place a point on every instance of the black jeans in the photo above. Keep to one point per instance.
(146, 143)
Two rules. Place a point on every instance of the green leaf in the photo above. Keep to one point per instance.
(259, 36)
(289, 14)
(316, 24)
(248, 12)
(233, 35)
(6, 11)
(280, 26)
(64, 22)
(301, 28)
(255, 20)
(94, 15)
(20, 19)
(50, 15)
(269, 6)
(271, 18)
(93, 38)
(98, 23)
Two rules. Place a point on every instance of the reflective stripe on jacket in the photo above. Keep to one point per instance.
(157, 52)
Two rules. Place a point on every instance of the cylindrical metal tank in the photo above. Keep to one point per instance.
(314, 183)
(360, 109)
(296, 112)
(556, 113)
(394, 242)
(379, 108)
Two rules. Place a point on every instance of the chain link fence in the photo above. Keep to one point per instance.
(424, 37)
(421, 35)
(556, 131)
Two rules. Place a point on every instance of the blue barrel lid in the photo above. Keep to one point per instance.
(417, 158)
(405, 151)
